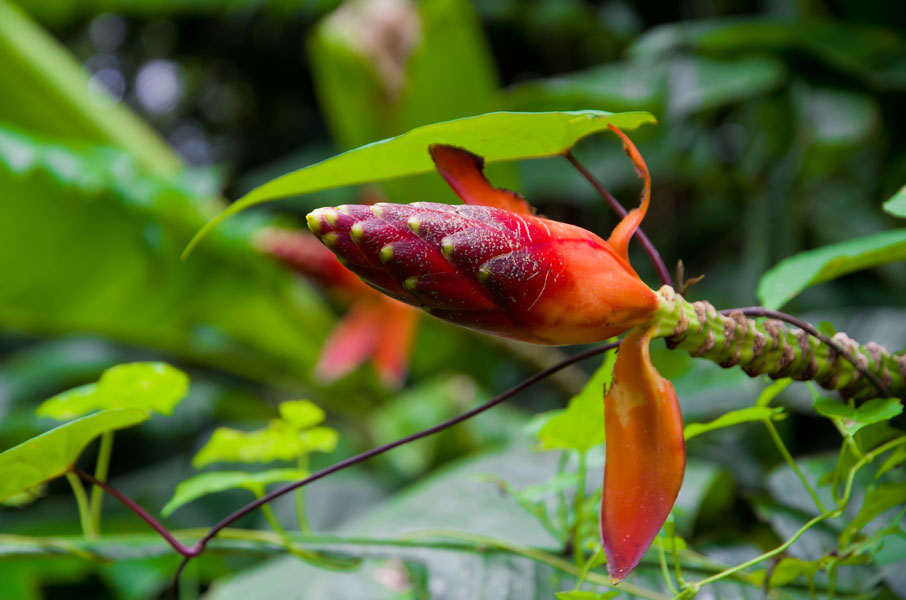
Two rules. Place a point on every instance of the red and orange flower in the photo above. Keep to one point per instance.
(494, 266)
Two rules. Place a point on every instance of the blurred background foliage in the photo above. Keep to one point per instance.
(125, 125)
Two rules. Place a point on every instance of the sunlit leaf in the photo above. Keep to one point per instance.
(52, 453)
(499, 136)
(897, 204)
(278, 441)
(219, 481)
(301, 413)
(794, 274)
(736, 417)
(153, 386)
(768, 394)
(580, 426)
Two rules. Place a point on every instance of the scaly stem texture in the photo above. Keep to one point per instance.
(770, 347)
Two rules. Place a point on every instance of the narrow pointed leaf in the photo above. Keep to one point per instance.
(897, 204)
(498, 136)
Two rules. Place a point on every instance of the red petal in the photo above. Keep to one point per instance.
(463, 171)
(623, 232)
(352, 340)
(391, 357)
(646, 455)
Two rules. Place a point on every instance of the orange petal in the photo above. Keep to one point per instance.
(622, 233)
(463, 171)
(646, 455)
(391, 357)
(352, 340)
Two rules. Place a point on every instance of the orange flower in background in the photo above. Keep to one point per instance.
(493, 266)
(375, 326)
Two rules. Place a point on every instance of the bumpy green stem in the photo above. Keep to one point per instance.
(770, 347)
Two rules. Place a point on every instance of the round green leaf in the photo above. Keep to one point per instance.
(301, 413)
(52, 453)
(154, 386)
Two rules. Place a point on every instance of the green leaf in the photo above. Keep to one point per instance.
(219, 481)
(745, 415)
(153, 386)
(583, 595)
(794, 274)
(854, 419)
(301, 414)
(896, 458)
(52, 453)
(768, 394)
(229, 307)
(897, 204)
(278, 441)
(788, 570)
(878, 499)
(498, 136)
(580, 426)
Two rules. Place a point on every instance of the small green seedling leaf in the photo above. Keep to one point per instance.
(302, 414)
(736, 417)
(277, 441)
(585, 595)
(497, 136)
(220, 481)
(580, 426)
(896, 206)
(794, 274)
(153, 386)
(53, 453)
(878, 499)
(854, 419)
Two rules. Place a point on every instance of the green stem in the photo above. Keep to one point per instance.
(769, 347)
(78, 490)
(785, 453)
(578, 554)
(665, 570)
(542, 557)
(101, 470)
(299, 500)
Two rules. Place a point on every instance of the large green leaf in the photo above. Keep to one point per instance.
(792, 275)
(854, 419)
(219, 481)
(278, 441)
(151, 386)
(52, 453)
(92, 240)
(46, 90)
(878, 499)
(499, 136)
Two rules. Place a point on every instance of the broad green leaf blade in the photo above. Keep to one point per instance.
(219, 481)
(580, 426)
(47, 90)
(746, 415)
(153, 386)
(52, 453)
(792, 275)
(301, 413)
(897, 204)
(278, 441)
(230, 307)
(497, 136)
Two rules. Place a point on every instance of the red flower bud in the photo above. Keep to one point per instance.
(489, 269)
